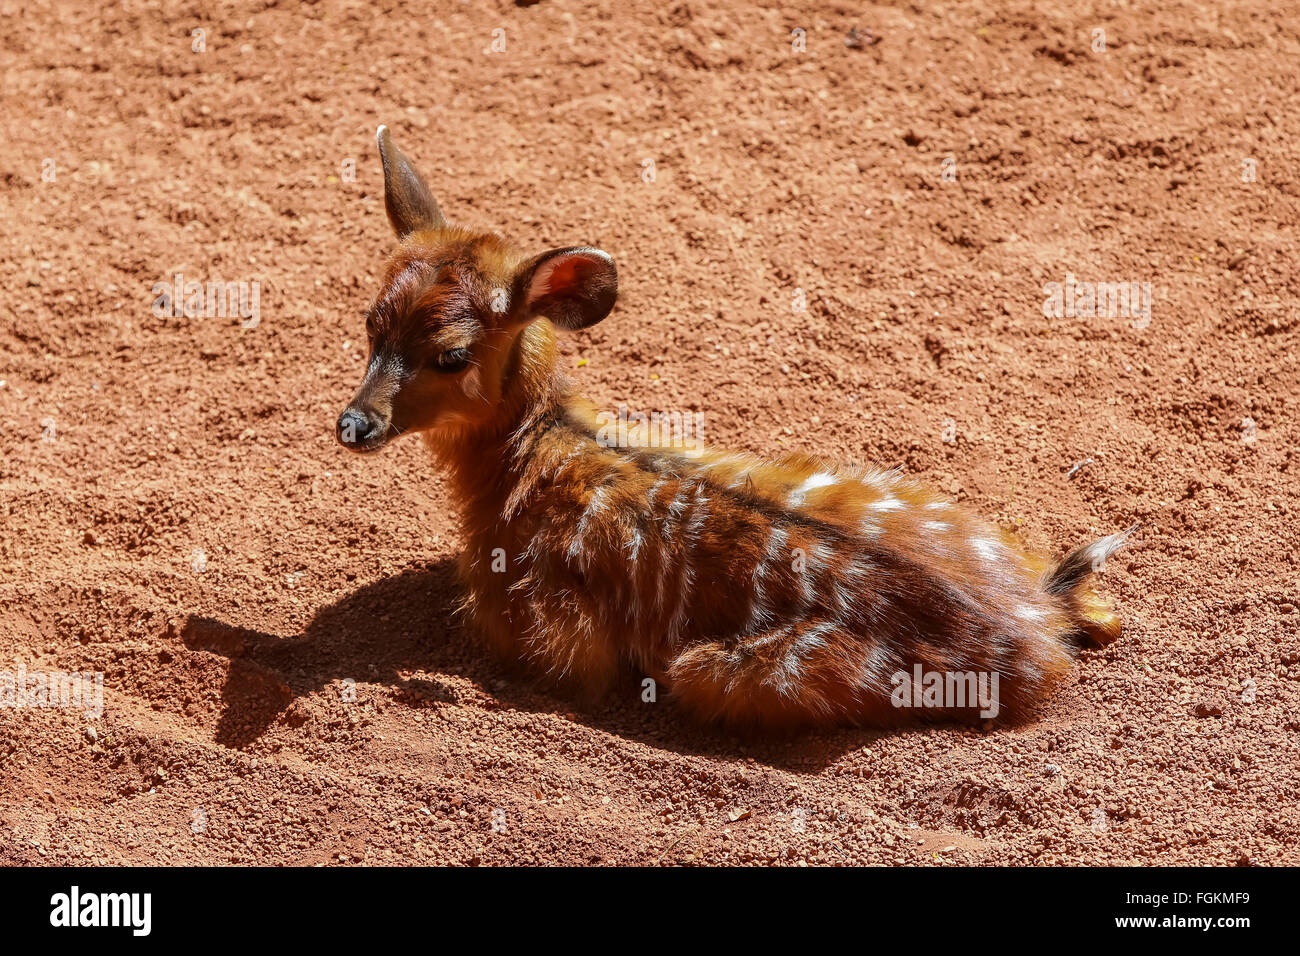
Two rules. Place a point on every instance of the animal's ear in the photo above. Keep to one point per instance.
(573, 287)
(410, 205)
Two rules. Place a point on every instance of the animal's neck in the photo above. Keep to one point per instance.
(483, 460)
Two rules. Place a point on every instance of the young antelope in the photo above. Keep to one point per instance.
(762, 593)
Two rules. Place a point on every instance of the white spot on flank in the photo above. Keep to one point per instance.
(776, 634)
(634, 552)
(986, 548)
(776, 544)
(698, 518)
(873, 675)
(786, 676)
(790, 671)
(843, 597)
(821, 479)
(1027, 613)
(758, 611)
(653, 494)
(813, 638)
(597, 501)
(856, 568)
(564, 462)
(594, 506)
(936, 525)
(937, 506)
(888, 503)
(819, 556)
(686, 572)
(678, 504)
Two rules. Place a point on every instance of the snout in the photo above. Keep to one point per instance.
(362, 429)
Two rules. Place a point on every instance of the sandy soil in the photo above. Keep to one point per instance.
(132, 441)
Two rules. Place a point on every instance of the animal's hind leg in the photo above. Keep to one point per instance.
(792, 676)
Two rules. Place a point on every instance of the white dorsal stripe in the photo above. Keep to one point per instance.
(820, 479)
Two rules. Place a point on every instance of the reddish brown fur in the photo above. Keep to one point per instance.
(762, 593)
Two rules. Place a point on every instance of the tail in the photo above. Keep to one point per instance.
(1098, 624)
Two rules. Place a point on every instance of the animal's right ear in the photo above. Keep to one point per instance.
(410, 205)
(574, 287)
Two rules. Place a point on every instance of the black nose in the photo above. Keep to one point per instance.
(357, 429)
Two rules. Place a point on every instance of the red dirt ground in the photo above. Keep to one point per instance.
(225, 737)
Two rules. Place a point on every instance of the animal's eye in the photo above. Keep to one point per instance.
(452, 360)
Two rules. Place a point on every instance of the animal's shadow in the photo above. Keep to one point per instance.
(408, 622)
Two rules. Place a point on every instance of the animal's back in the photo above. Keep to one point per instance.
(764, 593)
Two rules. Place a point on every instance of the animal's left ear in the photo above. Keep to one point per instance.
(573, 287)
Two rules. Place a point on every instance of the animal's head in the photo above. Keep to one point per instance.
(449, 328)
